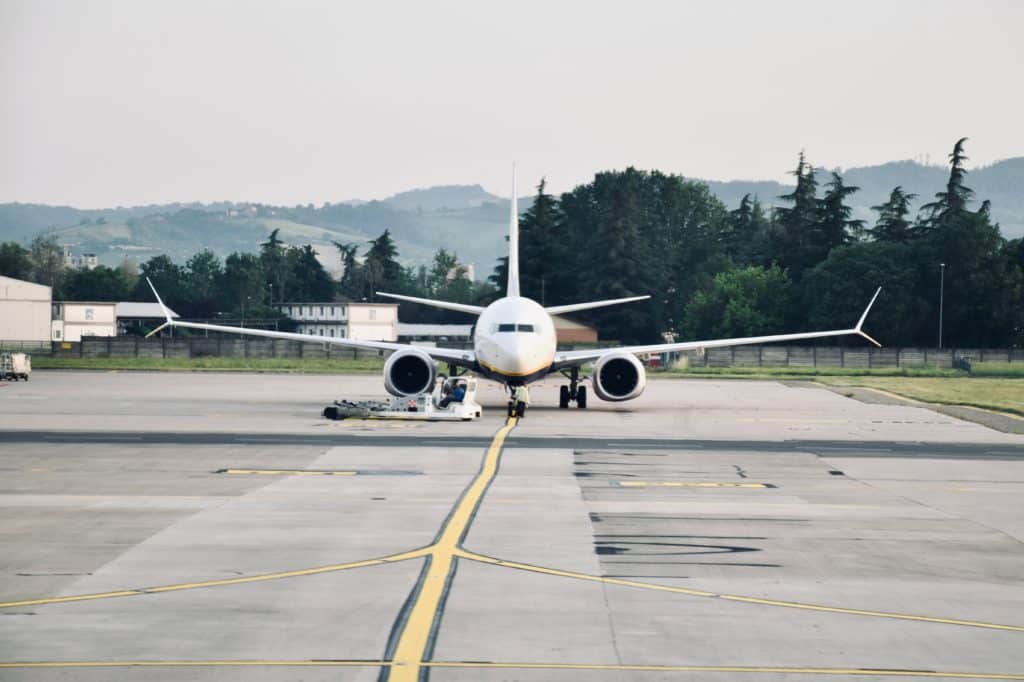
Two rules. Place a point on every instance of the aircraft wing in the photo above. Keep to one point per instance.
(453, 356)
(578, 357)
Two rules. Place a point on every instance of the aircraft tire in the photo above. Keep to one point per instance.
(581, 397)
(563, 397)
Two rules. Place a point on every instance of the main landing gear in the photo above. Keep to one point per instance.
(573, 392)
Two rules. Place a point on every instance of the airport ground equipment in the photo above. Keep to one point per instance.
(422, 407)
(15, 366)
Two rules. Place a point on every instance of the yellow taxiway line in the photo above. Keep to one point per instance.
(413, 638)
(735, 597)
(402, 556)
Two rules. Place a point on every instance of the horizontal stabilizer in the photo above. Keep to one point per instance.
(461, 307)
(573, 307)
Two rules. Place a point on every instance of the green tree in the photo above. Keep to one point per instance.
(310, 282)
(835, 227)
(750, 301)
(381, 268)
(47, 259)
(746, 237)
(617, 245)
(978, 302)
(129, 268)
(499, 278)
(15, 261)
(350, 285)
(99, 284)
(952, 201)
(205, 273)
(794, 228)
(893, 225)
(542, 249)
(274, 256)
(834, 292)
(169, 280)
(242, 285)
(443, 266)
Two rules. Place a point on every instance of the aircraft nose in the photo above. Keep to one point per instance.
(520, 355)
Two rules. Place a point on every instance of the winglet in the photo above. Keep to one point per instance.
(167, 313)
(860, 322)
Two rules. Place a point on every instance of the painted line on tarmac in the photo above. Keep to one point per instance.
(691, 484)
(320, 472)
(483, 665)
(191, 664)
(863, 672)
(735, 597)
(285, 472)
(393, 558)
(414, 633)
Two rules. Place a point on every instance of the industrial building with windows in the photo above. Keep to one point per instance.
(361, 321)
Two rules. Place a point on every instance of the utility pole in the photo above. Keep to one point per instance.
(942, 292)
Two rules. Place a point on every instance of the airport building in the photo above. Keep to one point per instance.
(139, 317)
(362, 321)
(24, 311)
(72, 320)
(570, 331)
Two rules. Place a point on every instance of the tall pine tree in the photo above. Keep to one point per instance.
(542, 250)
(893, 225)
(835, 227)
(794, 226)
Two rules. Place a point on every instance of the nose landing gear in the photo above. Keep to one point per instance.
(573, 392)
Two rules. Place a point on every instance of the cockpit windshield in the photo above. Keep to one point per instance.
(508, 327)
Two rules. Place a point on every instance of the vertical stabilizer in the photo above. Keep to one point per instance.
(513, 241)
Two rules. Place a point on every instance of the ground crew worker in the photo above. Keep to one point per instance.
(453, 396)
(520, 401)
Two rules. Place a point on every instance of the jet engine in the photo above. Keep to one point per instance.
(409, 372)
(618, 377)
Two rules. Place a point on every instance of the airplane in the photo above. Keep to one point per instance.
(514, 343)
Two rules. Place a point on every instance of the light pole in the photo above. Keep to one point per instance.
(942, 296)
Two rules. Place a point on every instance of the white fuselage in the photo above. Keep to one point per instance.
(515, 340)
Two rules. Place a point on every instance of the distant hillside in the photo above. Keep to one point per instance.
(463, 218)
(180, 230)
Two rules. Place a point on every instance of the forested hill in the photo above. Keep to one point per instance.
(420, 221)
(463, 218)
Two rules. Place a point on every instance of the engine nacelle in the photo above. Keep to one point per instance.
(409, 372)
(618, 377)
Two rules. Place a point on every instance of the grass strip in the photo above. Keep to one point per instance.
(1000, 394)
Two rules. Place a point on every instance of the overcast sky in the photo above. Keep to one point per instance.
(107, 103)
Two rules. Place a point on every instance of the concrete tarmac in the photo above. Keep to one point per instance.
(213, 527)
